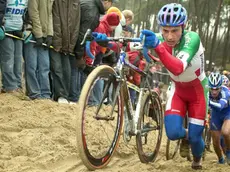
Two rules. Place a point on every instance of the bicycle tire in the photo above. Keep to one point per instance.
(87, 156)
(174, 146)
(156, 116)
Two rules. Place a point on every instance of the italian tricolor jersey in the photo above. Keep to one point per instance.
(189, 62)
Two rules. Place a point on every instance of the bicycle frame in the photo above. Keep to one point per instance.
(132, 117)
(121, 78)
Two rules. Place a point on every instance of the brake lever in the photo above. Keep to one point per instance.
(87, 35)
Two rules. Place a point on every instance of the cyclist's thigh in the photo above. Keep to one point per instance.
(197, 110)
(226, 124)
(216, 121)
(175, 105)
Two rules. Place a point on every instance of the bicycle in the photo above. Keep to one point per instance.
(172, 147)
(146, 121)
(207, 133)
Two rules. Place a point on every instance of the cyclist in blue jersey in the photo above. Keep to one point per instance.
(220, 116)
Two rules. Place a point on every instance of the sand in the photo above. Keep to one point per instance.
(39, 136)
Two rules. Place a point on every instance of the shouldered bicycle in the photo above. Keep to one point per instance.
(99, 124)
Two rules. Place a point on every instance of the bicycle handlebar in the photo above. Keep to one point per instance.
(88, 38)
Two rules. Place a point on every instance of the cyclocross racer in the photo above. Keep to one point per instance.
(182, 54)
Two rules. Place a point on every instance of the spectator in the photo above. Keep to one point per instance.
(118, 29)
(90, 17)
(10, 48)
(66, 23)
(128, 31)
(107, 4)
(129, 16)
(106, 26)
(2, 12)
(37, 61)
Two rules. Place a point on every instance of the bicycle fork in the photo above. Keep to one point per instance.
(137, 112)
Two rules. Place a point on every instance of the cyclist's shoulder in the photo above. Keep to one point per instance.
(191, 38)
(190, 42)
(225, 92)
(191, 34)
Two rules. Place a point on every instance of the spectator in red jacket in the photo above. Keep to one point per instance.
(108, 23)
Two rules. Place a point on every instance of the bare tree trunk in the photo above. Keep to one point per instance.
(148, 14)
(215, 34)
(226, 42)
(194, 21)
(220, 41)
(154, 21)
(197, 12)
(122, 5)
(139, 19)
(208, 25)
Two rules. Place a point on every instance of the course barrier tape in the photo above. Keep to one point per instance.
(31, 41)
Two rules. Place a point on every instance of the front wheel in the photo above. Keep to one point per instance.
(100, 118)
(150, 126)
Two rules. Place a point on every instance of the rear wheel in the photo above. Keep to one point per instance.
(99, 122)
(150, 126)
(172, 148)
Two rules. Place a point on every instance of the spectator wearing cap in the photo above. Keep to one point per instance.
(122, 23)
(128, 31)
(106, 26)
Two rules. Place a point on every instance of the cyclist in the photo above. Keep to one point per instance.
(220, 120)
(182, 54)
(225, 81)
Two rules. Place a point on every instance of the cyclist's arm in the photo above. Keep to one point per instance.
(222, 103)
(178, 64)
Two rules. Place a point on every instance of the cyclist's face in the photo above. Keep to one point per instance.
(171, 35)
(215, 92)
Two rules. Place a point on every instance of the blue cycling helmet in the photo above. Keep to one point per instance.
(172, 15)
(215, 80)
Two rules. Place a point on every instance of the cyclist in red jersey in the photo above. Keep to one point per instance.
(182, 54)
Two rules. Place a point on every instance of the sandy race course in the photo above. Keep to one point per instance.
(39, 136)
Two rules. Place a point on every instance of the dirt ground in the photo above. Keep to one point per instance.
(39, 136)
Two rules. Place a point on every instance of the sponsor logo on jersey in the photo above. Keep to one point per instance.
(187, 41)
(175, 110)
(202, 62)
(16, 7)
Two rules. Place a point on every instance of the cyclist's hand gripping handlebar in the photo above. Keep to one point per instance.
(88, 37)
